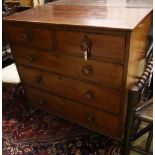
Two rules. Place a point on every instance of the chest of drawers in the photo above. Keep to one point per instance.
(78, 61)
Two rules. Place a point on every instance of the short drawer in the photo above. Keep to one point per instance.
(105, 99)
(102, 73)
(30, 37)
(100, 46)
(89, 117)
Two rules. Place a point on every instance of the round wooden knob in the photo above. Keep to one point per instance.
(26, 36)
(89, 95)
(31, 59)
(87, 70)
(42, 101)
(91, 118)
(37, 79)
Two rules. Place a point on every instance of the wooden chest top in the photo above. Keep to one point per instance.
(109, 14)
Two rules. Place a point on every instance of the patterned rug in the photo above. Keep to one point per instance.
(29, 131)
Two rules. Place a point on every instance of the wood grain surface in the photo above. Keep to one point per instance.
(103, 14)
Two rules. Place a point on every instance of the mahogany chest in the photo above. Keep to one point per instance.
(77, 59)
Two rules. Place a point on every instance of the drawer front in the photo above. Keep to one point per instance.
(30, 37)
(100, 46)
(103, 98)
(89, 117)
(106, 74)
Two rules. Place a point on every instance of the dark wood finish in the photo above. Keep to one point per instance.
(97, 97)
(82, 114)
(149, 140)
(92, 51)
(146, 114)
(139, 106)
(101, 73)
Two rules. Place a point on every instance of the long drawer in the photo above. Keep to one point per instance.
(40, 38)
(103, 98)
(102, 73)
(99, 46)
(86, 116)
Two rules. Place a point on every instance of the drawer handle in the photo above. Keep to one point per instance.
(91, 118)
(38, 79)
(85, 47)
(87, 70)
(42, 101)
(89, 95)
(26, 36)
(31, 59)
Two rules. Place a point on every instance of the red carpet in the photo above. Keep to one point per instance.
(29, 131)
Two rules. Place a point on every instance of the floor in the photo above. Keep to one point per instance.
(141, 143)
